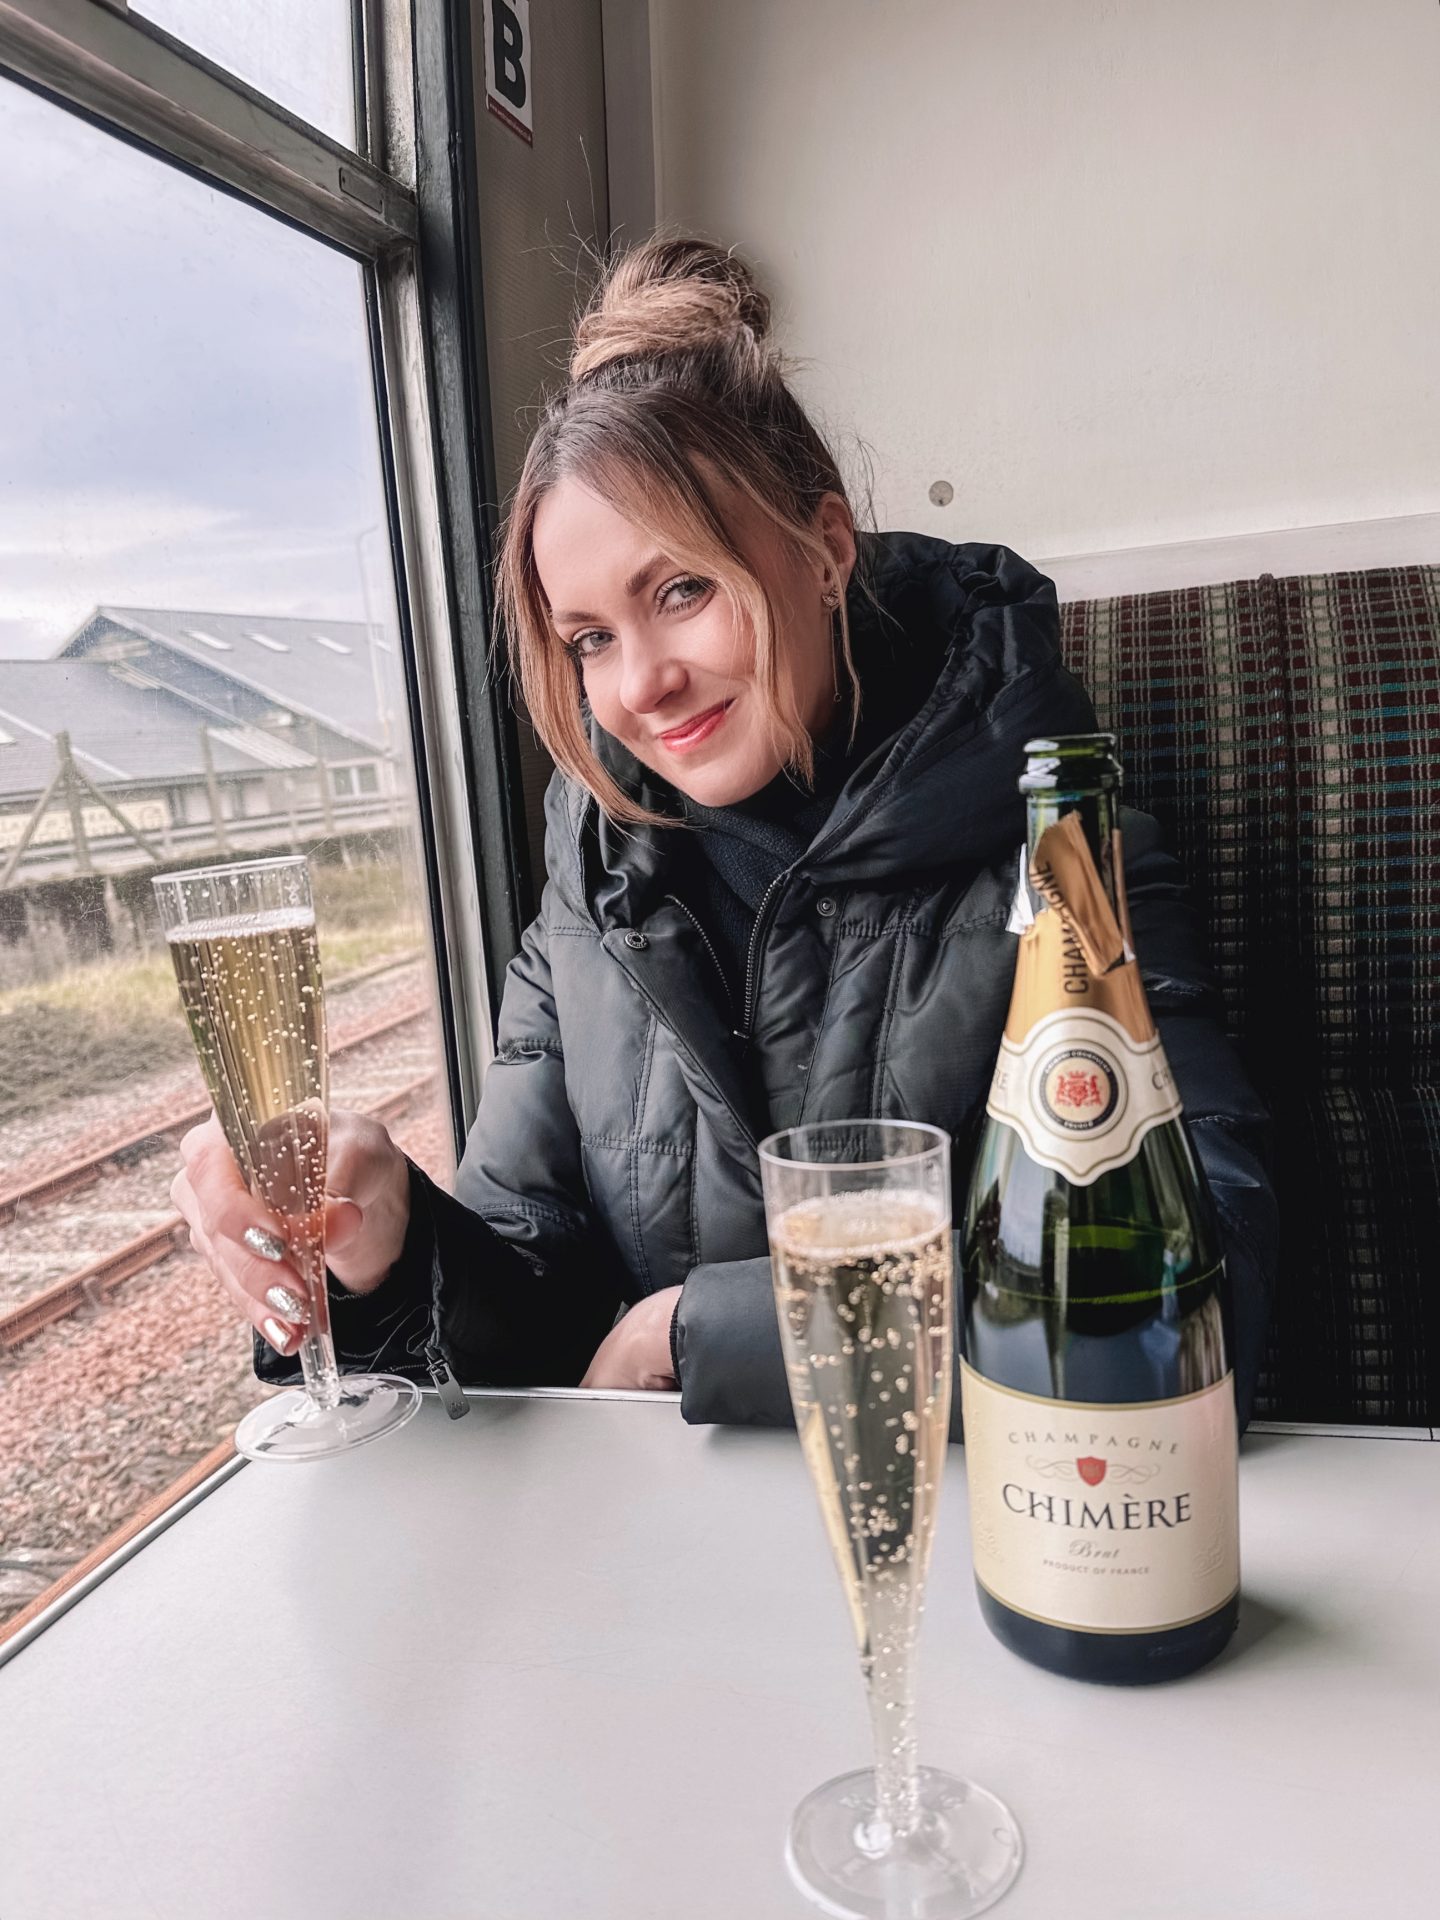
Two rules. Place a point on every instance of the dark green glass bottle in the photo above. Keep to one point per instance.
(1098, 1402)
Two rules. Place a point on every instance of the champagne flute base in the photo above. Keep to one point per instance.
(963, 1854)
(293, 1427)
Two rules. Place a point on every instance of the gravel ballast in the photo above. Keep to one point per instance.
(105, 1409)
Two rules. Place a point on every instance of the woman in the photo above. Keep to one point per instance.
(781, 851)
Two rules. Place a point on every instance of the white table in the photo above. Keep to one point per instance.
(567, 1659)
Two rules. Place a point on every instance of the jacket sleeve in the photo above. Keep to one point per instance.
(510, 1280)
(725, 1343)
(726, 1346)
(725, 1339)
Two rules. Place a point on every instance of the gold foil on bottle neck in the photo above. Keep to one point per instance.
(1063, 873)
(1078, 953)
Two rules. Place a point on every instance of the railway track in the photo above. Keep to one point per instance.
(91, 1284)
(80, 1172)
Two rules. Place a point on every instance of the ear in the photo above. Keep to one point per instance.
(836, 527)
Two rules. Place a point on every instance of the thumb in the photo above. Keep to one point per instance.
(343, 1220)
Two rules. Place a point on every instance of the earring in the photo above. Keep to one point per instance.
(830, 600)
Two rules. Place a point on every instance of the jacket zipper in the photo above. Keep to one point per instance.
(742, 1032)
(446, 1385)
(705, 942)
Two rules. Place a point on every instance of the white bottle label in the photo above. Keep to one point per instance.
(1081, 1092)
(1106, 1519)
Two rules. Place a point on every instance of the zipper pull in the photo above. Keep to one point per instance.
(446, 1385)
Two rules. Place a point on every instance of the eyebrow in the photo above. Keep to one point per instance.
(636, 584)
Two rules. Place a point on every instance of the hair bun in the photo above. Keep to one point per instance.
(670, 297)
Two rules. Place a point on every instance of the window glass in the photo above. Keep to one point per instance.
(296, 52)
(198, 623)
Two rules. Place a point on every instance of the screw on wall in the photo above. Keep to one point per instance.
(941, 493)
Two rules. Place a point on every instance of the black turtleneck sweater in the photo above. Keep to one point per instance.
(735, 855)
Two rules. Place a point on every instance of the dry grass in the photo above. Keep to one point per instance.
(93, 1026)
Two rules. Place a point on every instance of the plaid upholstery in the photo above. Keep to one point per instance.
(1287, 734)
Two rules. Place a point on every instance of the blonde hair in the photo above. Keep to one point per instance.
(675, 402)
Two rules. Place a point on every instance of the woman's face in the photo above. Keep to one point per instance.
(669, 667)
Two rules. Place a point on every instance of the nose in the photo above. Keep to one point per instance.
(648, 677)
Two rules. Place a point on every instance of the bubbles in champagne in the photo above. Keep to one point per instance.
(252, 993)
(863, 1290)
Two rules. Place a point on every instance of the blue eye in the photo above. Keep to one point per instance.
(585, 646)
(684, 591)
(690, 586)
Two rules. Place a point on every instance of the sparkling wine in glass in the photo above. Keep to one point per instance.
(858, 1215)
(243, 942)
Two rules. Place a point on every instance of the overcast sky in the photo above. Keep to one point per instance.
(296, 51)
(186, 414)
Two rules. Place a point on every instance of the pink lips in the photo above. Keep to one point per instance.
(694, 732)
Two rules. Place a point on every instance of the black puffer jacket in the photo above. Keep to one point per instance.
(614, 1152)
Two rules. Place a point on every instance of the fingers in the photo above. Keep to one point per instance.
(343, 1220)
(265, 1316)
(227, 1207)
(256, 1275)
(624, 1363)
(269, 1293)
(603, 1370)
(613, 1373)
(636, 1351)
(366, 1218)
(360, 1154)
(245, 1243)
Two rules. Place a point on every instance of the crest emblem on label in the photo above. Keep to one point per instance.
(1079, 1089)
(1081, 1092)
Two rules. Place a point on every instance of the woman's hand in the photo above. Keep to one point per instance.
(636, 1352)
(237, 1234)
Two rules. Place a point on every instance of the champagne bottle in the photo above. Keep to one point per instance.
(1100, 1426)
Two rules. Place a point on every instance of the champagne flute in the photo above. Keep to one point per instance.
(242, 938)
(858, 1215)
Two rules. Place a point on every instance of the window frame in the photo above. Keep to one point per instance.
(402, 208)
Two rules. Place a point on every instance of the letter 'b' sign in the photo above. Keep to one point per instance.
(507, 65)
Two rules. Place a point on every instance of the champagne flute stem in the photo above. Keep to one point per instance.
(317, 1364)
(317, 1344)
(891, 1689)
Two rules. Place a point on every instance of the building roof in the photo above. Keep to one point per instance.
(340, 672)
(120, 734)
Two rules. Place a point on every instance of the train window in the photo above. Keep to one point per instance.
(297, 52)
(197, 487)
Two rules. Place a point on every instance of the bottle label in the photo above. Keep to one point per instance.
(1099, 1518)
(1082, 1092)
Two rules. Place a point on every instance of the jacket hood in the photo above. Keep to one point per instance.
(963, 643)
